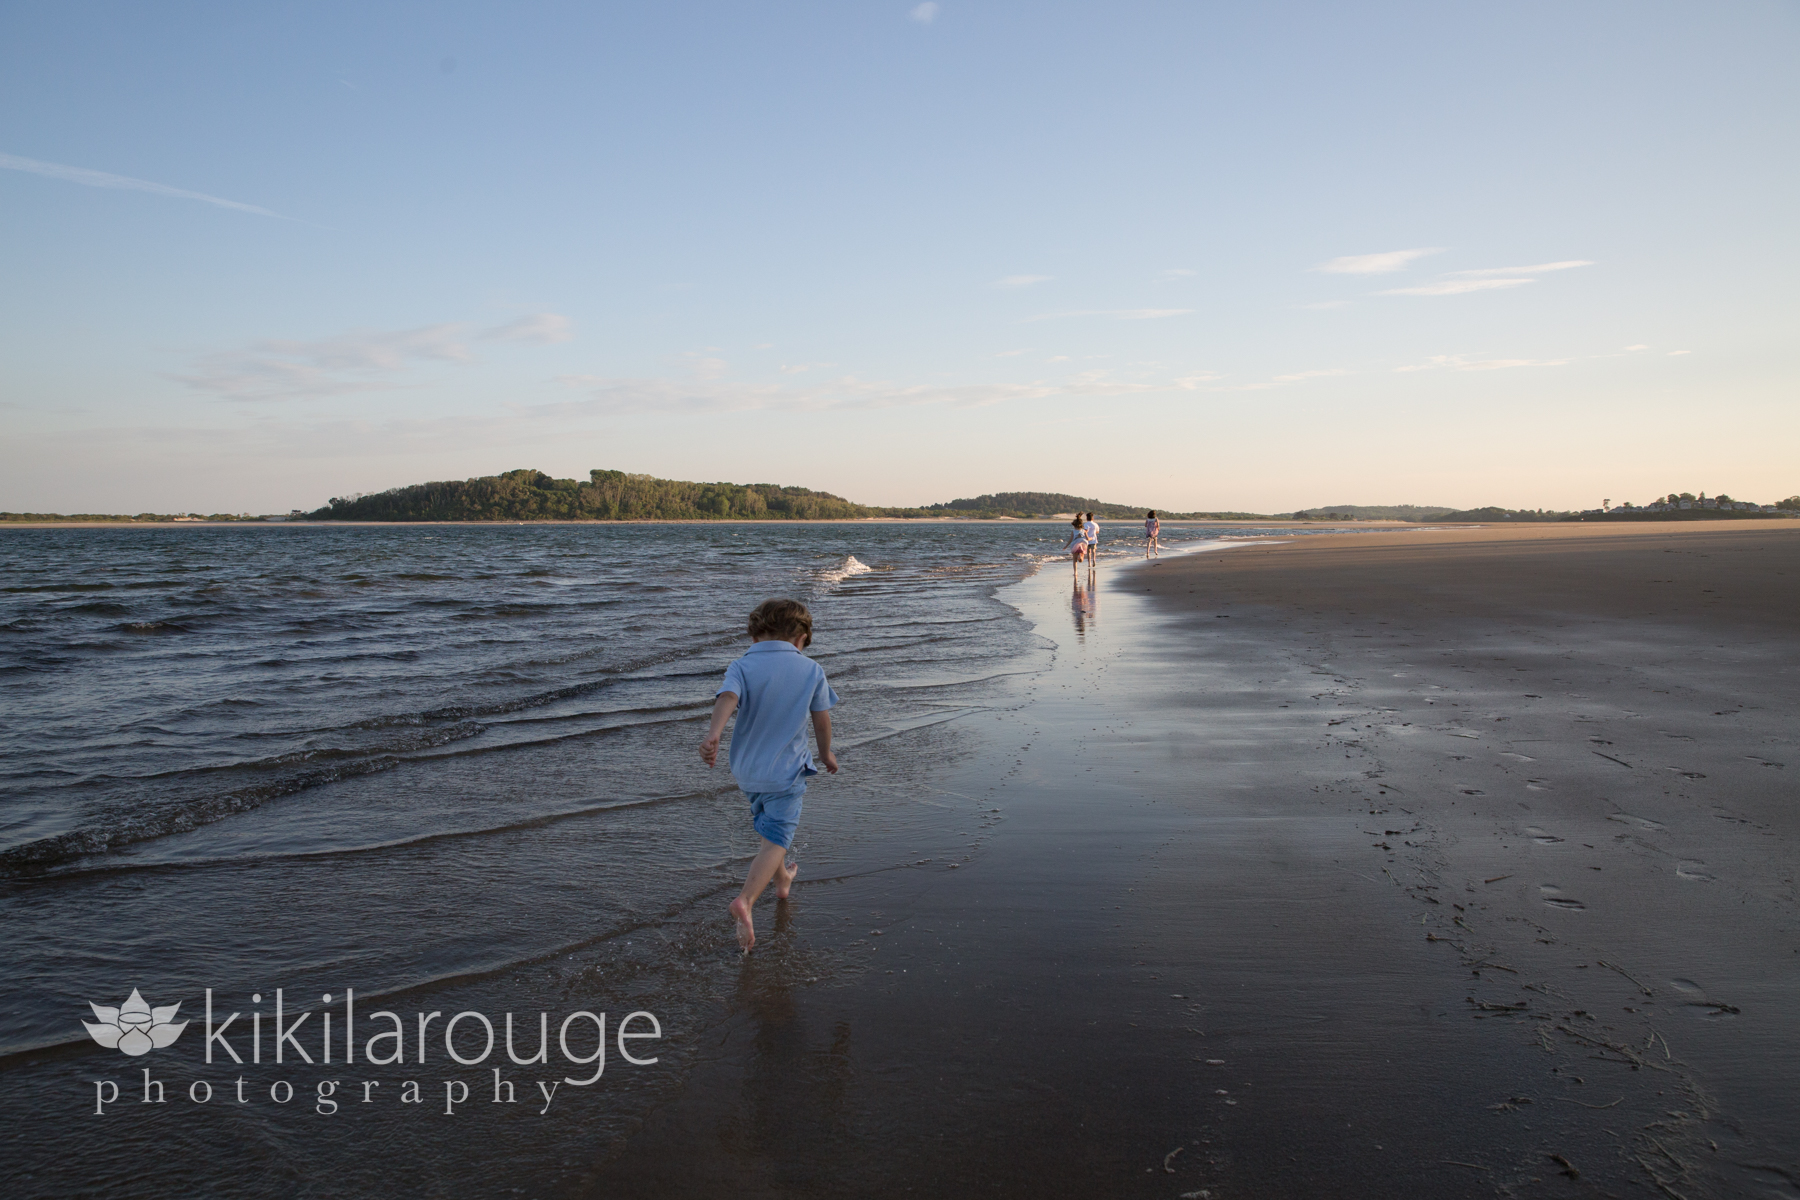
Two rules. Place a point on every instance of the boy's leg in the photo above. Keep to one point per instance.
(762, 869)
(774, 814)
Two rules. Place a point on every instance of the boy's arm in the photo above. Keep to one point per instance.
(822, 730)
(723, 707)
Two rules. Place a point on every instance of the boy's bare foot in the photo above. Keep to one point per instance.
(746, 929)
(784, 878)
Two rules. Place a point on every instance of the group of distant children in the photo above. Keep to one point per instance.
(1084, 537)
(775, 691)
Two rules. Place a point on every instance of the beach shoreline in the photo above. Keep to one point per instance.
(1413, 862)
(1259, 917)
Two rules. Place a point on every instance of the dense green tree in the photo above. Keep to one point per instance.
(531, 495)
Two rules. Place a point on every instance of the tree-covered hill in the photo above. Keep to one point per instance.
(531, 495)
(1373, 512)
(1049, 504)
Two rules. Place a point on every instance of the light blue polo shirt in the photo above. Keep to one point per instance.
(777, 689)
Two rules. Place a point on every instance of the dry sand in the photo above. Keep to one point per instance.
(1424, 864)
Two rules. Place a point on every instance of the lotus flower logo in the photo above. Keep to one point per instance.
(134, 1026)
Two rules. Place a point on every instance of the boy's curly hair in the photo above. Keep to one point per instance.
(783, 619)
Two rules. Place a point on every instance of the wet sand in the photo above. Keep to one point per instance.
(1447, 864)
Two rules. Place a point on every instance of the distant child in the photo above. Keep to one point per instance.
(772, 688)
(1152, 535)
(1090, 529)
(1077, 543)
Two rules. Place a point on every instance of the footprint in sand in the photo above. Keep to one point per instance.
(1541, 837)
(1639, 822)
(1691, 871)
(1472, 791)
(1537, 785)
(1694, 996)
(1555, 899)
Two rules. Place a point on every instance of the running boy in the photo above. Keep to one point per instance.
(772, 688)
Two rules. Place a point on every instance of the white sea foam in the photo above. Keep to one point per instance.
(850, 566)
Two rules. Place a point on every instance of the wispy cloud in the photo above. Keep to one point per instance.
(1485, 279)
(1101, 383)
(102, 179)
(1456, 287)
(610, 396)
(539, 329)
(359, 361)
(1207, 382)
(615, 395)
(1539, 269)
(707, 366)
(925, 13)
(1019, 281)
(1456, 362)
(1384, 263)
(1011, 353)
(1117, 314)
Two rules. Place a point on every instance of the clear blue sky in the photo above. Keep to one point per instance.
(1197, 255)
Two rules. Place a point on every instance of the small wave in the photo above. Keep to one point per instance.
(849, 567)
(60, 587)
(91, 865)
(35, 856)
(153, 627)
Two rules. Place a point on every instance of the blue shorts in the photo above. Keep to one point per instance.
(775, 814)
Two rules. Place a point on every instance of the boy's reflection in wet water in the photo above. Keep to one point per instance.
(1085, 603)
(796, 1091)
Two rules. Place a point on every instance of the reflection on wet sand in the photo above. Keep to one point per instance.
(1085, 604)
(794, 1091)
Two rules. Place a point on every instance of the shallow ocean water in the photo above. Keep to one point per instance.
(451, 768)
(485, 729)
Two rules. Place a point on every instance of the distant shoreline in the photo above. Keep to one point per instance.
(1684, 521)
(1282, 521)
